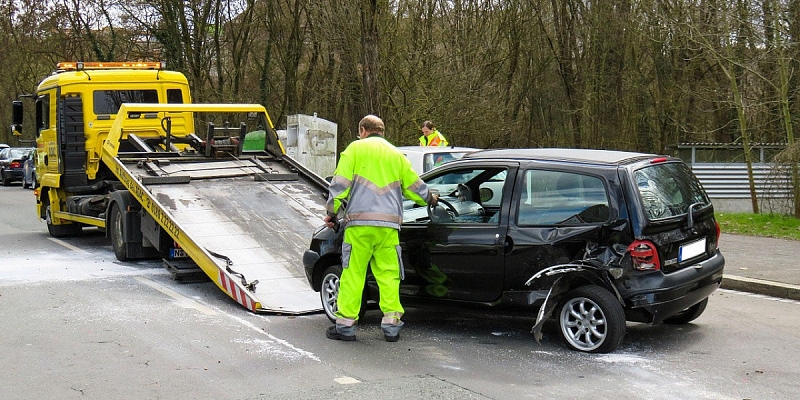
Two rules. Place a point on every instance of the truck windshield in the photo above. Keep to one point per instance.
(109, 101)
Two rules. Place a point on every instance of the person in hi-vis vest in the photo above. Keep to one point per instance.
(372, 176)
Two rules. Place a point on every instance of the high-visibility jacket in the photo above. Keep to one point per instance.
(373, 176)
(434, 139)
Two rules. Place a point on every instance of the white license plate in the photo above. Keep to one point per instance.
(692, 250)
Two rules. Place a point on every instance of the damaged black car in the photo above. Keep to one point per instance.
(590, 238)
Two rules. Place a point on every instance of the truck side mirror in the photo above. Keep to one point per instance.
(16, 118)
(16, 113)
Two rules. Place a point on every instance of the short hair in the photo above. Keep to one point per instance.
(427, 124)
(372, 124)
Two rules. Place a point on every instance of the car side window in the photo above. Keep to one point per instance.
(561, 198)
(471, 195)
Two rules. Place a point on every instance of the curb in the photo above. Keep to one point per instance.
(760, 286)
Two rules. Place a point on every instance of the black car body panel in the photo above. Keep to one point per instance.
(637, 224)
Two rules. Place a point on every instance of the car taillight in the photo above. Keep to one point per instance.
(644, 255)
(15, 164)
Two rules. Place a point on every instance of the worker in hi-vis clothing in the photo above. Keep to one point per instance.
(431, 136)
(373, 177)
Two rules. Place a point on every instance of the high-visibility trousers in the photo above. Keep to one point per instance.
(363, 245)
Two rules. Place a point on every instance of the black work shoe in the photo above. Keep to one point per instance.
(392, 338)
(331, 333)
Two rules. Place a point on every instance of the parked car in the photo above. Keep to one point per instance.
(29, 179)
(426, 158)
(11, 159)
(591, 238)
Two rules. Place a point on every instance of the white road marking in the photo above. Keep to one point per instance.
(283, 342)
(69, 246)
(346, 380)
(183, 301)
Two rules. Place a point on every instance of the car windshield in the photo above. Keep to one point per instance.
(668, 189)
(434, 160)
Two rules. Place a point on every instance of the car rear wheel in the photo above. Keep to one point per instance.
(329, 293)
(6, 180)
(591, 320)
(689, 314)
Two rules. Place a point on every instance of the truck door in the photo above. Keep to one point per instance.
(460, 255)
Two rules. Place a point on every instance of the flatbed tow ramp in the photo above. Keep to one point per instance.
(243, 219)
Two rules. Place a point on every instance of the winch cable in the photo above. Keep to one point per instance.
(228, 262)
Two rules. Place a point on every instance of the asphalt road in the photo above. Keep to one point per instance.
(77, 324)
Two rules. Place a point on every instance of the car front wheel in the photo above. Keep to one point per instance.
(591, 320)
(329, 293)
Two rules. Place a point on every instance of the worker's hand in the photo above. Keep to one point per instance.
(331, 221)
(434, 199)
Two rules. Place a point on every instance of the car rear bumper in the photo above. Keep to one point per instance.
(14, 174)
(676, 291)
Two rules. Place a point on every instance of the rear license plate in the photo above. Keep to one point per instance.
(692, 250)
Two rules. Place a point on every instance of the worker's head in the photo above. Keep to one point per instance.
(427, 128)
(369, 125)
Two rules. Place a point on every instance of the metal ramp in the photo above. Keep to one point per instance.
(246, 221)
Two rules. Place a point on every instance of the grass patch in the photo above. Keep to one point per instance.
(768, 225)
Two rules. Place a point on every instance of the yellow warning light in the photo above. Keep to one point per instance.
(89, 65)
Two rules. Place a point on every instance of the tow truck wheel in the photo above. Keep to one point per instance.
(329, 293)
(58, 231)
(116, 232)
(591, 320)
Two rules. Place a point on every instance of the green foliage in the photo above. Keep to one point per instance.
(768, 225)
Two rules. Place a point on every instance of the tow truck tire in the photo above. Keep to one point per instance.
(116, 232)
(59, 231)
(591, 320)
(329, 293)
(689, 314)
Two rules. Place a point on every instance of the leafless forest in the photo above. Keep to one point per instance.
(630, 74)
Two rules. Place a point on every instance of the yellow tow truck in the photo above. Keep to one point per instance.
(118, 150)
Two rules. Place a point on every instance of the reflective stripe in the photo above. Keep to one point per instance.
(391, 318)
(345, 321)
(374, 177)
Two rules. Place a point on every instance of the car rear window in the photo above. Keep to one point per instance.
(668, 189)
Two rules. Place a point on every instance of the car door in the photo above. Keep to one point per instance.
(459, 256)
(555, 214)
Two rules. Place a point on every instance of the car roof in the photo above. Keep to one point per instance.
(436, 149)
(593, 156)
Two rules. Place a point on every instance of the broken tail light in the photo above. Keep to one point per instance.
(644, 255)
(15, 164)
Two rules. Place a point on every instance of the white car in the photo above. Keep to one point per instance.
(426, 158)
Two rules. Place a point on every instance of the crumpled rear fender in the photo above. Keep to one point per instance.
(572, 275)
